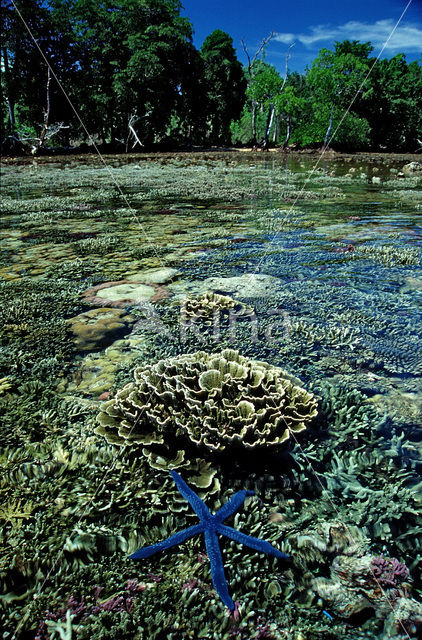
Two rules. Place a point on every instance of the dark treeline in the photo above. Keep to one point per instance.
(137, 82)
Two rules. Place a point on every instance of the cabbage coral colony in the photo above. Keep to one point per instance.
(208, 403)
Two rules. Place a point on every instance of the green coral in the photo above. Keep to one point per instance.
(74, 507)
(389, 255)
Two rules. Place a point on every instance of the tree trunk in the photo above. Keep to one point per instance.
(44, 129)
(275, 132)
(288, 132)
(131, 126)
(270, 117)
(9, 98)
(330, 126)
(254, 123)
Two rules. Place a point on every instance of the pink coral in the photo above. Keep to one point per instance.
(389, 572)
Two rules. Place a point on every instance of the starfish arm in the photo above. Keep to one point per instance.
(254, 543)
(232, 505)
(195, 502)
(174, 540)
(217, 568)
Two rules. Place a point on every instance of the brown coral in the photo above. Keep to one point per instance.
(205, 306)
(98, 328)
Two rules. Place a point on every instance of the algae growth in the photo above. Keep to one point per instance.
(312, 273)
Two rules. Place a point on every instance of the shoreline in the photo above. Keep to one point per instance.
(366, 156)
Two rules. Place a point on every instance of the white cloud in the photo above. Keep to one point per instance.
(287, 38)
(406, 38)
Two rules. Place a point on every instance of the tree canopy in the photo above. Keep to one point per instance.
(137, 81)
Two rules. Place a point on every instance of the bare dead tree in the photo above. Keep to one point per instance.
(288, 131)
(133, 119)
(44, 128)
(262, 46)
(272, 115)
(51, 130)
(271, 110)
(47, 130)
(251, 62)
(286, 71)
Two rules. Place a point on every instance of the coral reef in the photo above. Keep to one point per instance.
(361, 582)
(390, 255)
(212, 402)
(204, 307)
(122, 293)
(95, 329)
(412, 168)
(389, 572)
(353, 586)
(211, 526)
(73, 507)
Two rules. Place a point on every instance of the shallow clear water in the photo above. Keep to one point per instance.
(327, 262)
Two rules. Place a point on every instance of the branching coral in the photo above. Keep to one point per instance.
(390, 256)
(212, 403)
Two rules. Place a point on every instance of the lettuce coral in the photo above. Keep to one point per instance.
(203, 307)
(211, 403)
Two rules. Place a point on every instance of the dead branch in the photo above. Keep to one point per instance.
(131, 126)
(44, 128)
(287, 66)
(262, 46)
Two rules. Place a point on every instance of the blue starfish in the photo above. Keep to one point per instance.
(211, 525)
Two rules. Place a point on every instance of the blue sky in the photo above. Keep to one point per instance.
(310, 24)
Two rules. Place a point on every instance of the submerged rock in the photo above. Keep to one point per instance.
(95, 373)
(155, 276)
(123, 293)
(412, 168)
(249, 285)
(98, 328)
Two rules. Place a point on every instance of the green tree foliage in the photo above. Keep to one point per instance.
(24, 77)
(290, 105)
(334, 79)
(346, 99)
(122, 62)
(136, 59)
(136, 79)
(394, 105)
(264, 85)
(225, 85)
